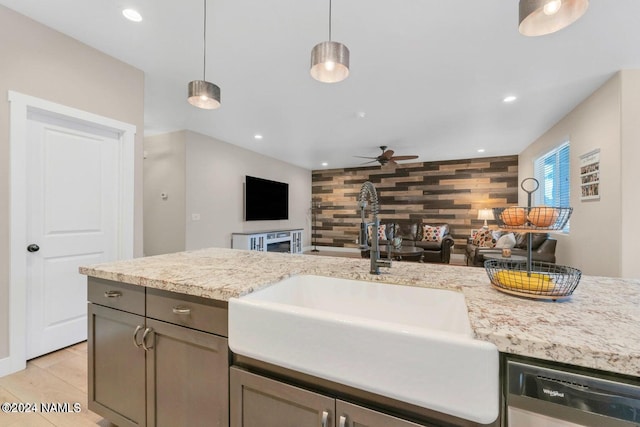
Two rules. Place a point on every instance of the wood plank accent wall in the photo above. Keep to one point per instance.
(432, 192)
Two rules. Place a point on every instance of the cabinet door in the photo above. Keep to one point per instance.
(116, 366)
(350, 415)
(187, 377)
(257, 401)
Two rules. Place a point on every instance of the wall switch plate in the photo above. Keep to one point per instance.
(195, 217)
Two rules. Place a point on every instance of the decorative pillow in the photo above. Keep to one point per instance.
(484, 239)
(382, 231)
(432, 234)
(521, 240)
(506, 241)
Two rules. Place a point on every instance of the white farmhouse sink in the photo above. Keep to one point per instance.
(408, 343)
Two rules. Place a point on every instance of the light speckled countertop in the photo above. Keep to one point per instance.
(597, 327)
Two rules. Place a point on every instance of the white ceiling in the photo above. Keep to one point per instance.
(429, 74)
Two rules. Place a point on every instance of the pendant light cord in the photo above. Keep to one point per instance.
(329, 20)
(204, 66)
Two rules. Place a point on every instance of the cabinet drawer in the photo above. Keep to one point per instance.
(121, 296)
(193, 312)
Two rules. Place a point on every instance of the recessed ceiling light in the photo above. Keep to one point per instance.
(257, 136)
(480, 150)
(325, 164)
(132, 15)
(509, 99)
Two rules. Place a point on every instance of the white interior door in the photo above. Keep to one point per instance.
(72, 219)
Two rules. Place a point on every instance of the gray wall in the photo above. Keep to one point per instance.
(37, 61)
(600, 241)
(215, 174)
(164, 172)
(629, 155)
(210, 174)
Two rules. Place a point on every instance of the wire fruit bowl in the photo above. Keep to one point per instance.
(527, 218)
(540, 280)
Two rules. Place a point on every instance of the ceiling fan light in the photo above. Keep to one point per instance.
(329, 62)
(204, 94)
(541, 17)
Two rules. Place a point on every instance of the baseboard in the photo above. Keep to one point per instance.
(9, 366)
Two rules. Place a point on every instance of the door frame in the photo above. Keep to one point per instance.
(20, 106)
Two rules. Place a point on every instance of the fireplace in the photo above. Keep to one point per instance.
(285, 241)
(279, 246)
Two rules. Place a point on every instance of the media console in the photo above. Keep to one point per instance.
(269, 241)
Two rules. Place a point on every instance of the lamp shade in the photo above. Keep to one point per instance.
(486, 214)
(204, 94)
(329, 62)
(540, 17)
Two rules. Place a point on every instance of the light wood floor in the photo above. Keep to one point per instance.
(58, 377)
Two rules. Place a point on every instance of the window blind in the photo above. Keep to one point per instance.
(552, 172)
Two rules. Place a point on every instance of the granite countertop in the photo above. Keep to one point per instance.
(597, 327)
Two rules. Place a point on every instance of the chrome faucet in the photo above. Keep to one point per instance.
(374, 254)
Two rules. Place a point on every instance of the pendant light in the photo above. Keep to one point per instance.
(540, 17)
(329, 60)
(204, 94)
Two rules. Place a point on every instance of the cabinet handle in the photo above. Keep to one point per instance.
(135, 336)
(112, 294)
(144, 339)
(325, 419)
(181, 310)
(342, 421)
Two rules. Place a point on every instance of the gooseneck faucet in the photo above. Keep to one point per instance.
(368, 189)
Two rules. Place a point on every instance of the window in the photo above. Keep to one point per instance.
(552, 172)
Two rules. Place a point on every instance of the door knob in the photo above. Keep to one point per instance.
(33, 248)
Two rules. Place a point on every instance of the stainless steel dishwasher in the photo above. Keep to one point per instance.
(539, 395)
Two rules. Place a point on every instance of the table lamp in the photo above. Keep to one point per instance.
(485, 214)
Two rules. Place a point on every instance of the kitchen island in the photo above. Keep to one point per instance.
(597, 327)
(151, 320)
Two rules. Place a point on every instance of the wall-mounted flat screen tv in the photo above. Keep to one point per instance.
(265, 200)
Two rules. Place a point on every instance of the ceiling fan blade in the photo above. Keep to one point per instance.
(387, 154)
(366, 163)
(363, 157)
(404, 157)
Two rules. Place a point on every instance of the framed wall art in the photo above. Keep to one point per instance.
(590, 175)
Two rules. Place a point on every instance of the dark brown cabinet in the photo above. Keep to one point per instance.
(187, 377)
(257, 401)
(116, 366)
(156, 358)
(350, 415)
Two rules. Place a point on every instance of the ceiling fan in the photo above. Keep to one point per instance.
(387, 157)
